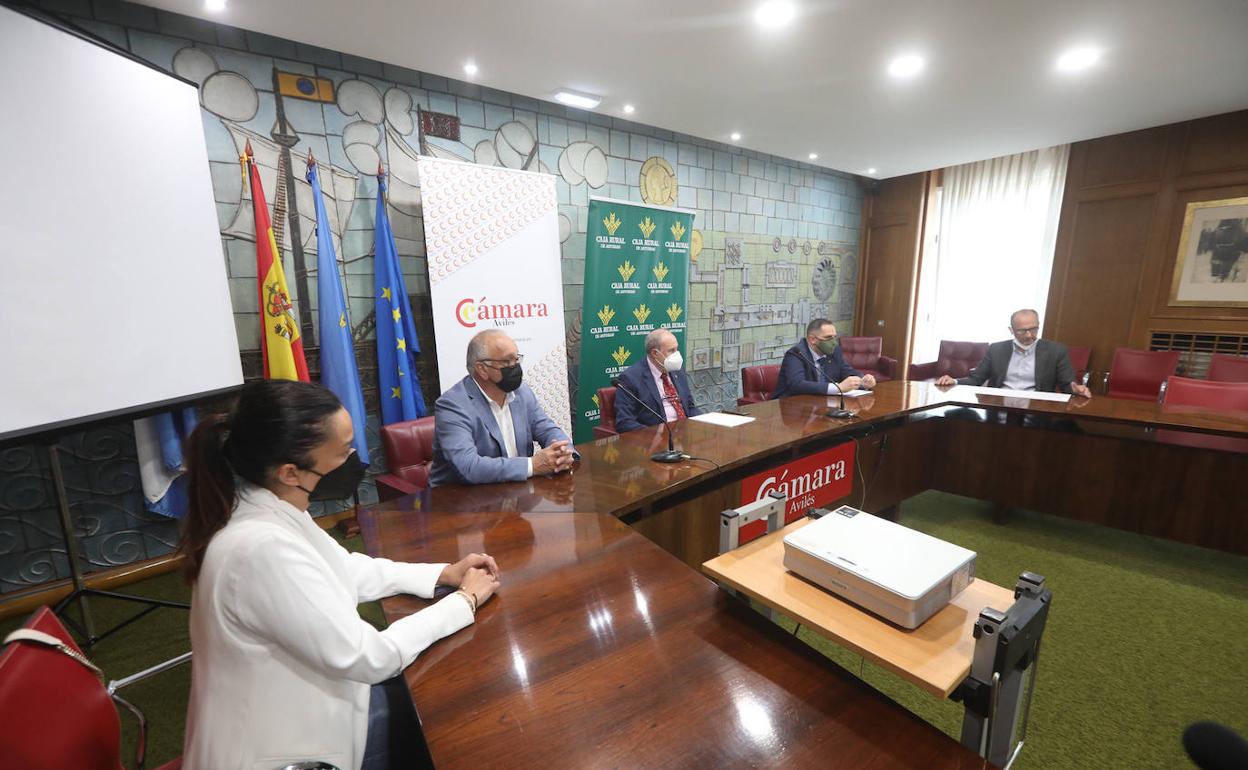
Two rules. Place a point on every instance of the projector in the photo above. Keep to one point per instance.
(897, 573)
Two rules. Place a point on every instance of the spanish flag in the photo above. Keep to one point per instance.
(279, 337)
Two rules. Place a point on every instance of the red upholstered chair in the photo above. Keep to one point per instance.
(408, 447)
(955, 359)
(56, 711)
(1185, 391)
(1138, 374)
(606, 413)
(1080, 355)
(1224, 368)
(866, 355)
(758, 383)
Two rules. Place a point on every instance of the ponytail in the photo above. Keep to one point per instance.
(210, 489)
(274, 422)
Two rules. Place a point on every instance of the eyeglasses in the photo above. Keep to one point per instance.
(1028, 330)
(502, 362)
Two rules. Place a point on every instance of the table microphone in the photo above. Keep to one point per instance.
(671, 455)
(840, 413)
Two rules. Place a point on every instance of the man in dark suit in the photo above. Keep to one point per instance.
(660, 381)
(1025, 362)
(486, 424)
(815, 366)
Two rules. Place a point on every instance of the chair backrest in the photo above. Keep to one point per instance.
(1186, 391)
(958, 359)
(862, 352)
(1138, 374)
(606, 408)
(1080, 355)
(55, 711)
(408, 447)
(759, 382)
(1224, 368)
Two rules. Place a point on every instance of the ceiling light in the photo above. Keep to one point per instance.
(906, 66)
(470, 69)
(736, 137)
(774, 14)
(1078, 59)
(813, 156)
(573, 99)
(871, 170)
(628, 109)
(214, 6)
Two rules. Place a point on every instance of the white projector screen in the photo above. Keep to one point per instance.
(113, 292)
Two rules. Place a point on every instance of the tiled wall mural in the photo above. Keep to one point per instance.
(775, 241)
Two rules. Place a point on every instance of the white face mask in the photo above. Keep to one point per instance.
(673, 362)
(1027, 347)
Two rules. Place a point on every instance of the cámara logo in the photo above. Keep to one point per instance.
(678, 232)
(646, 226)
(606, 314)
(612, 224)
(469, 312)
(808, 482)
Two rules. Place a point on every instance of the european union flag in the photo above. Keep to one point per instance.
(397, 346)
(338, 370)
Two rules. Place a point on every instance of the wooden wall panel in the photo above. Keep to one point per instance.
(1119, 232)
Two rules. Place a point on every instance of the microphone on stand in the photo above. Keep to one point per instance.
(840, 413)
(671, 455)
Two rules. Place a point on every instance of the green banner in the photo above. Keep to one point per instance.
(636, 280)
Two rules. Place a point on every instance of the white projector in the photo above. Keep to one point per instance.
(901, 575)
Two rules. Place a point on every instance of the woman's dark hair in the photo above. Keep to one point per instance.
(273, 422)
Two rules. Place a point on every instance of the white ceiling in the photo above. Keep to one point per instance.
(703, 67)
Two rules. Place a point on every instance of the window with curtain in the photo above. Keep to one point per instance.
(989, 249)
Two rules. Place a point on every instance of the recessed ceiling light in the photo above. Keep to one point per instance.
(214, 6)
(813, 156)
(906, 66)
(1078, 59)
(736, 137)
(871, 170)
(774, 14)
(470, 68)
(628, 109)
(573, 99)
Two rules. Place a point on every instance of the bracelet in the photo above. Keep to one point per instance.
(468, 597)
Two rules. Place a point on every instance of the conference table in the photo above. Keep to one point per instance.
(602, 649)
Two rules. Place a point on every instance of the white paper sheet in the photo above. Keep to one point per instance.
(1031, 395)
(722, 419)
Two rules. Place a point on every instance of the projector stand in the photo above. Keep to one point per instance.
(86, 628)
(1007, 644)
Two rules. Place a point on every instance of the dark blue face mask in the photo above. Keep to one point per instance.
(340, 483)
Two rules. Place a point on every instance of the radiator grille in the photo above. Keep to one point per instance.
(1196, 348)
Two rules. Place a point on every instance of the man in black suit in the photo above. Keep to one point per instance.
(815, 366)
(1025, 362)
(660, 381)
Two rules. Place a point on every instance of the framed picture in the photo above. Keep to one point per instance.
(1211, 269)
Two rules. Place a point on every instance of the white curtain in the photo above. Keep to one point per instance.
(992, 249)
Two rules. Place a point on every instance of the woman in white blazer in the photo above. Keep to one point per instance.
(284, 667)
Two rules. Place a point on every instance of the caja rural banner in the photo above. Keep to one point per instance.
(636, 280)
(492, 243)
(813, 481)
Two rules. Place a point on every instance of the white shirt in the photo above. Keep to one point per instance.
(669, 410)
(1021, 373)
(283, 661)
(502, 416)
(815, 354)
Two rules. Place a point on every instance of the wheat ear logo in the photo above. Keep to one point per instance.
(612, 223)
(626, 270)
(620, 355)
(678, 231)
(674, 312)
(594, 398)
(606, 314)
(646, 226)
(641, 313)
(660, 271)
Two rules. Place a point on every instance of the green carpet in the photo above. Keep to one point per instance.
(1145, 636)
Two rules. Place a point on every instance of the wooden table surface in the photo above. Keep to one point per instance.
(602, 650)
(936, 656)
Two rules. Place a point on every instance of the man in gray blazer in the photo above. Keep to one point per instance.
(486, 424)
(1025, 362)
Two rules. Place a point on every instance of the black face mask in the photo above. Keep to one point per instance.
(340, 483)
(512, 377)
